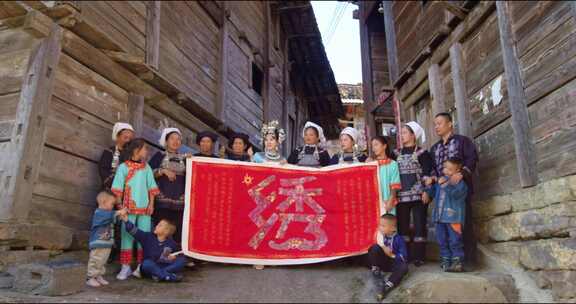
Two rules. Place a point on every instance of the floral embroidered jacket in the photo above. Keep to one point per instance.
(134, 182)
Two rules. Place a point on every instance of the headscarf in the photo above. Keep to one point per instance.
(119, 127)
(209, 134)
(165, 133)
(350, 132)
(418, 130)
(318, 128)
(244, 137)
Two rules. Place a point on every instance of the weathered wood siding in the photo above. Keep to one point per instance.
(545, 38)
(416, 24)
(380, 73)
(14, 56)
(94, 88)
(189, 50)
(123, 21)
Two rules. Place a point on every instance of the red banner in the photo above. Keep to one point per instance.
(270, 214)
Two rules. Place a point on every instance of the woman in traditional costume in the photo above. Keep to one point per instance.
(415, 166)
(388, 173)
(273, 136)
(170, 172)
(238, 147)
(348, 153)
(312, 154)
(122, 133)
(206, 140)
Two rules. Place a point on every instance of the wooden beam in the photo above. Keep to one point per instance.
(524, 147)
(457, 65)
(454, 9)
(367, 83)
(573, 7)
(391, 48)
(223, 63)
(136, 112)
(267, 92)
(293, 8)
(153, 33)
(437, 91)
(195, 118)
(214, 10)
(21, 161)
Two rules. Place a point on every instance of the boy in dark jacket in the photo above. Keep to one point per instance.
(448, 214)
(101, 237)
(160, 260)
(388, 255)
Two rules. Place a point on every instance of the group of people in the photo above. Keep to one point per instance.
(142, 194)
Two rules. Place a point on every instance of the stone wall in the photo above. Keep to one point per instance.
(535, 229)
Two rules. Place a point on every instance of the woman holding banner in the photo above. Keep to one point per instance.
(273, 136)
(348, 154)
(238, 147)
(170, 172)
(312, 154)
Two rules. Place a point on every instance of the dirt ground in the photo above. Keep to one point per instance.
(341, 281)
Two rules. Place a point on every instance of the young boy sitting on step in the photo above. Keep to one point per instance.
(161, 262)
(388, 255)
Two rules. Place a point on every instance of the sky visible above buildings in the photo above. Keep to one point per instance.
(341, 37)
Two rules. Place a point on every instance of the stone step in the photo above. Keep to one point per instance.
(429, 284)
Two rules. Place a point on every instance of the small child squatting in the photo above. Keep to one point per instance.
(158, 247)
(388, 255)
(102, 237)
(449, 210)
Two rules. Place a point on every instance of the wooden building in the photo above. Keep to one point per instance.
(507, 73)
(71, 69)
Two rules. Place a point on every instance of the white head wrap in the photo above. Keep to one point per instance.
(119, 127)
(318, 128)
(350, 132)
(165, 132)
(418, 131)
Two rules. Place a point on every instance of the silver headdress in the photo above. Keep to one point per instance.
(271, 128)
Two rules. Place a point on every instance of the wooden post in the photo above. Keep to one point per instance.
(21, 161)
(391, 49)
(223, 65)
(460, 95)
(524, 148)
(436, 89)
(136, 112)
(573, 6)
(285, 87)
(267, 82)
(367, 84)
(153, 33)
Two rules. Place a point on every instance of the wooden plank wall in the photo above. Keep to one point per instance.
(378, 57)
(415, 25)
(545, 34)
(244, 109)
(546, 37)
(14, 56)
(83, 109)
(189, 50)
(123, 21)
(546, 42)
